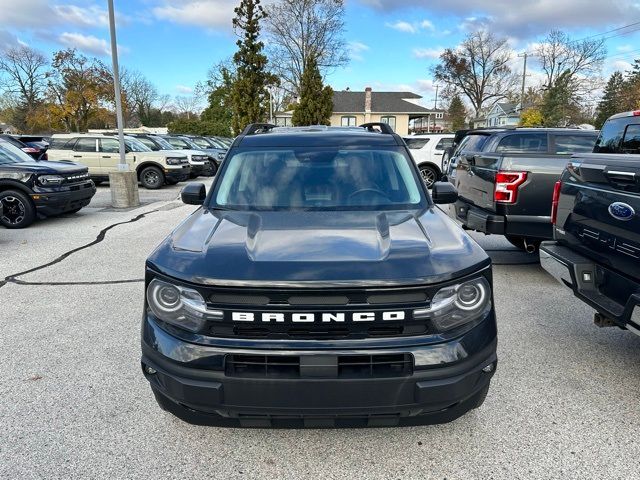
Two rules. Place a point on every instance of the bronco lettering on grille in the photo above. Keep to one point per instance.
(337, 317)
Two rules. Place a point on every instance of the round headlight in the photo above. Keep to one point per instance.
(165, 297)
(470, 296)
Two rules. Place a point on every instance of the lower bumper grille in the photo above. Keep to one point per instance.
(321, 366)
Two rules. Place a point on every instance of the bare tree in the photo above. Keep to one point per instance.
(188, 105)
(143, 96)
(300, 29)
(478, 68)
(583, 59)
(23, 75)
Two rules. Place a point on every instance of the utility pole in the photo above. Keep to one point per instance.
(123, 183)
(524, 79)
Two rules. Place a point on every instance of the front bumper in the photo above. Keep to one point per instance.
(447, 380)
(480, 220)
(608, 292)
(49, 203)
(178, 174)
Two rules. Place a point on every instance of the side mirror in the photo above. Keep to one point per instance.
(194, 194)
(444, 193)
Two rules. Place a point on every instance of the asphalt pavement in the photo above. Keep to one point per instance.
(74, 403)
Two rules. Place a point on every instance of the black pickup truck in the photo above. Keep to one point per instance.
(596, 214)
(505, 179)
(328, 290)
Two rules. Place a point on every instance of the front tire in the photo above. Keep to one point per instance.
(18, 211)
(152, 178)
(429, 175)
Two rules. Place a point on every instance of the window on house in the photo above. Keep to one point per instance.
(283, 121)
(349, 121)
(391, 121)
(439, 115)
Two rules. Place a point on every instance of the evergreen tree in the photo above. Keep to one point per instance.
(316, 100)
(219, 114)
(613, 99)
(631, 90)
(457, 113)
(558, 105)
(248, 94)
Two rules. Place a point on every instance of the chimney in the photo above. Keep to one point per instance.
(367, 100)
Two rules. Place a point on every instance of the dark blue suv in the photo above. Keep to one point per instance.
(318, 284)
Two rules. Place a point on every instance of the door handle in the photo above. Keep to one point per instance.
(106, 156)
(77, 156)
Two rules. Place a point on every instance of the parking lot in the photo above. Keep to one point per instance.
(563, 403)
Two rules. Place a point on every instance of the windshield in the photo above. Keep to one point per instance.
(319, 179)
(201, 142)
(164, 145)
(10, 154)
(136, 145)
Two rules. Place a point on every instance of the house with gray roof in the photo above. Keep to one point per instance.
(503, 114)
(353, 108)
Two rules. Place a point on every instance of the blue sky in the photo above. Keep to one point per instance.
(174, 42)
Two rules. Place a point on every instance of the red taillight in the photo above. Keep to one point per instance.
(507, 184)
(554, 202)
(29, 150)
(636, 113)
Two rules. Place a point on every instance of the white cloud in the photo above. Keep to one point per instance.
(88, 43)
(402, 26)
(184, 90)
(432, 53)
(529, 17)
(427, 25)
(356, 50)
(212, 14)
(626, 48)
(92, 16)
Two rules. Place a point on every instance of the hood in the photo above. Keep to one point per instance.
(373, 248)
(46, 167)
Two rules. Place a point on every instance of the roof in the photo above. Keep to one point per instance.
(381, 102)
(508, 107)
(316, 136)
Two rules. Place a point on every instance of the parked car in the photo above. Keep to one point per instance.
(37, 153)
(327, 291)
(201, 163)
(30, 188)
(184, 142)
(224, 141)
(596, 217)
(505, 179)
(215, 147)
(427, 151)
(101, 154)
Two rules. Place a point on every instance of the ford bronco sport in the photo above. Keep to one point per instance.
(318, 284)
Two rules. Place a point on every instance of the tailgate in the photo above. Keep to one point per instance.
(599, 208)
(475, 179)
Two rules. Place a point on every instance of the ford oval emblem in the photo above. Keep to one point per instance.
(621, 211)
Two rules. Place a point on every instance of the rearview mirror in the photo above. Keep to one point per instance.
(444, 193)
(194, 194)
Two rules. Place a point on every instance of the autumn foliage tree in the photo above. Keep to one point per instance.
(78, 90)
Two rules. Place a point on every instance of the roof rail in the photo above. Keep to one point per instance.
(384, 127)
(254, 128)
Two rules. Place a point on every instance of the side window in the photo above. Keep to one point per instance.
(524, 143)
(177, 143)
(391, 121)
(631, 139)
(568, 144)
(62, 144)
(148, 143)
(348, 121)
(109, 145)
(611, 136)
(444, 143)
(85, 145)
(416, 143)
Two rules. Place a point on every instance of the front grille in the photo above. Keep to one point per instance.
(72, 178)
(348, 302)
(321, 366)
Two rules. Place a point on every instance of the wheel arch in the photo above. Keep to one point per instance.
(428, 163)
(14, 185)
(146, 164)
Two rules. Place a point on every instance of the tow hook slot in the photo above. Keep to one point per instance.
(603, 322)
